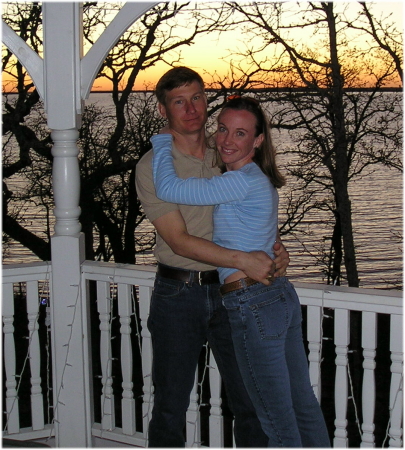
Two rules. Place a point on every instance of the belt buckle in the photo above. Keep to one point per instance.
(199, 278)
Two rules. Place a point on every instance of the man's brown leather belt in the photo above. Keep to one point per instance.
(239, 284)
(188, 276)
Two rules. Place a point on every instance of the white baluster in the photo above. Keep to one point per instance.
(369, 344)
(144, 305)
(37, 403)
(107, 395)
(395, 430)
(314, 346)
(216, 419)
(128, 401)
(341, 381)
(12, 410)
(193, 430)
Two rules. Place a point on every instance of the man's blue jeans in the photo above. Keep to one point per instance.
(267, 335)
(182, 318)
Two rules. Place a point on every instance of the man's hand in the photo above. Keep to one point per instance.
(281, 260)
(257, 265)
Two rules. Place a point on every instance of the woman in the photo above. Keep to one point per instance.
(265, 319)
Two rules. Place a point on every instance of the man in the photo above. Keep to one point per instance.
(186, 307)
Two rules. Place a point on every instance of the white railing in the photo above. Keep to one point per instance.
(354, 341)
(24, 288)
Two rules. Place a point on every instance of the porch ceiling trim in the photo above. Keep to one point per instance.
(93, 59)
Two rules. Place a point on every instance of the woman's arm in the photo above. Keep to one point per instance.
(229, 187)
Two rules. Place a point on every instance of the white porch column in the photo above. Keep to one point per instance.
(63, 105)
(63, 79)
(71, 377)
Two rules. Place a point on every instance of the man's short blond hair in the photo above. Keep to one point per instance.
(174, 78)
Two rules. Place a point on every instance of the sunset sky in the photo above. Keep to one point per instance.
(207, 52)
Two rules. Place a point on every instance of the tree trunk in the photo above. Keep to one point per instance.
(345, 215)
(130, 224)
(340, 172)
(336, 253)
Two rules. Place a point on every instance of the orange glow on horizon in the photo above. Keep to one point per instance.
(206, 56)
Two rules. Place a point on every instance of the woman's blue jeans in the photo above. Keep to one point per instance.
(182, 318)
(267, 336)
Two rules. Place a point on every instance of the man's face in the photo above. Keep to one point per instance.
(185, 109)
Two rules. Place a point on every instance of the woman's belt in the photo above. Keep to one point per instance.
(240, 284)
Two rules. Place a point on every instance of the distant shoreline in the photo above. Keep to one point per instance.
(308, 91)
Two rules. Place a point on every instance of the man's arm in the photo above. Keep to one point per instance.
(171, 227)
(257, 265)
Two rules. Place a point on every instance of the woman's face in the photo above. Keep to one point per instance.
(235, 137)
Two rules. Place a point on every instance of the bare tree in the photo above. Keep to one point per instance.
(340, 129)
(111, 141)
(385, 38)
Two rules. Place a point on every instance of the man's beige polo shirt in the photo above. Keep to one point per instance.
(198, 218)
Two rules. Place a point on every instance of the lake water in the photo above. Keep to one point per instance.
(377, 205)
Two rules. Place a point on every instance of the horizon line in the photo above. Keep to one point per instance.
(302, 89)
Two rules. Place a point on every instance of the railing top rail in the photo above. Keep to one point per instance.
(356, 299)
(15, 273)
(336, 290)
(101, 267)
(119, 273)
